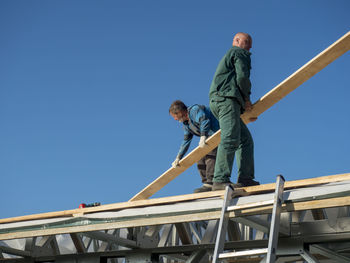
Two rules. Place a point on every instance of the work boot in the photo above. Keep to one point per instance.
(203, 188)
(248, 182)
(221, 186)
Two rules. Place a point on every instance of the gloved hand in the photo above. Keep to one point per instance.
(202, 143)
(176, 162)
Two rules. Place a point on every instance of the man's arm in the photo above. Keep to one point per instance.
(242, 67)
(185, 144)
(203, 120)
(204, 125)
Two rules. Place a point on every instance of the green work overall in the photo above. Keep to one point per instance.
(236, 140)
(229, 91)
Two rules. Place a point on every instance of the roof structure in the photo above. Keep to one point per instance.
(315, 219)
(314, 226)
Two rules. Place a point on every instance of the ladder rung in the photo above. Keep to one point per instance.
(239, 207)
(251, 252)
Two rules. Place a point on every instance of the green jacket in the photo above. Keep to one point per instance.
(231, 78)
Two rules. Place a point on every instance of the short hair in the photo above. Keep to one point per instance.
(177, 106)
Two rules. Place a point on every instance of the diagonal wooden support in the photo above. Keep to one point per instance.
(315, 65)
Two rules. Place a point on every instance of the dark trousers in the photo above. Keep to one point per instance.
(206, 167)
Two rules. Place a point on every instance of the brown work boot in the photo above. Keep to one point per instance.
(203, 188)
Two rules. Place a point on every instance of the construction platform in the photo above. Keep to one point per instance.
(314, 222)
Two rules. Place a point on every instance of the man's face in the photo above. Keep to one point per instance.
(180, 116)
(243, 41)
(246, 43)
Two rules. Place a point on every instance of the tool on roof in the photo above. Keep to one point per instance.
(83, 205)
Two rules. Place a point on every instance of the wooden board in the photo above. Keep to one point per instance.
(175, 199)
(334, 51)
(113, 207)
(190, 217)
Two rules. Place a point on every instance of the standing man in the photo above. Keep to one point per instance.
(197, 120)
(229, 97)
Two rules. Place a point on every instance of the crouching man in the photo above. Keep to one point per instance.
(199, 121)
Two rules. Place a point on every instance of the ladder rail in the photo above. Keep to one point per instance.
(223, 222)
(275, 220)
(270, 251)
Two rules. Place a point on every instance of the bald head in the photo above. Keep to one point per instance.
(242, 40)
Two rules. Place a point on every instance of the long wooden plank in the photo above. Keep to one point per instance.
(176, 199)
(334, 51)
(113, 207)
(315, 65)
(193, 157)
(190, 217)
(297, 206)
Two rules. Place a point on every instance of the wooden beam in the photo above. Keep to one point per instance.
(299, 183)
(172, 219)
(315, 65)
(184, 164)
(297, 206)
(113, 207)
(334, 51)
(175, 199)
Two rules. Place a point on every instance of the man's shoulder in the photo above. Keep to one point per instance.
(195, 107)
(196, 110)
(236, 52)
(240, 51)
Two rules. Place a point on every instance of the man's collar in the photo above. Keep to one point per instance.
(244, 50)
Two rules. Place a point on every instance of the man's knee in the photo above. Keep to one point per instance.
(229, 144)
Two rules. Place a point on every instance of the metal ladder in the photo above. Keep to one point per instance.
(270, 251)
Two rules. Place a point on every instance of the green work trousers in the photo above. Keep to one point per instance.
(236, 140)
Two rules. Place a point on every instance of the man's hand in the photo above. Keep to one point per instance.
(202, 143)
(248, 105)
(176, 162)
(252, 119)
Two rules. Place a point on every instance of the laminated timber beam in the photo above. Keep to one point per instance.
(315, 65)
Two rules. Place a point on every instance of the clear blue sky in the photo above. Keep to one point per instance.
(85, 88)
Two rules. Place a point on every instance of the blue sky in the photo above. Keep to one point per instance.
(85, 88)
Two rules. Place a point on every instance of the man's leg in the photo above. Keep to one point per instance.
(210, 165)
(228, 114)
(245, 158)
(201, 166)
(202, 169)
